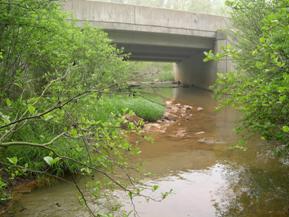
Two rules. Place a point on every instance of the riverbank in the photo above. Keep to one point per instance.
(156, 119)
(109, 108)
(174, 112)
(17, 189)
(194, 157)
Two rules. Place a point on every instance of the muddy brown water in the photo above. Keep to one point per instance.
(208, 178)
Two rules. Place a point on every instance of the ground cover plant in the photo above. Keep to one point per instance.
(151, 71)
(143, 108)
(53, 75)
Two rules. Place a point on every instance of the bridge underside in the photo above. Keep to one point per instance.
(154, 34)
(190, 69)
(187, 52)
(160, 46)
(158, 53)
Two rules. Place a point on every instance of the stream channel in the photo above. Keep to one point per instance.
(207, 176)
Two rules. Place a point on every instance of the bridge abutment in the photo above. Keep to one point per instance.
(194, 71)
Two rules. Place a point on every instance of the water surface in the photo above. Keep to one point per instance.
(208, 179)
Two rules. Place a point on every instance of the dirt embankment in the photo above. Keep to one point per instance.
(19, 187)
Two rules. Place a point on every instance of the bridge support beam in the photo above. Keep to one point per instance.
(194, 71)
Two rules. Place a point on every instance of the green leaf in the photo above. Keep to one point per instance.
(130, 194)
(48, 160)
(285, 129)
(51, 161)
(165, 195)
(8, 102)
(155, 187)
(5, 118)
(31, 109)
(262, 40)
(13, 160)
(47, 117)
(126, 146)
(86, 171)
(73, 132)
(2, 184)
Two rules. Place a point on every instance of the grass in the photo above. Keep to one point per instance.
(165, 76)
(152, 71)
(166, 73)
(148, 110)
(103, 110)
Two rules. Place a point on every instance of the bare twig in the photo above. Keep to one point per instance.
(82, 196)
(36, 172)
(59, 105)
(17, 143)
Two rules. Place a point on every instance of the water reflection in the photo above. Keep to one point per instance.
(258, 192)
(194, 194)
(208, 178)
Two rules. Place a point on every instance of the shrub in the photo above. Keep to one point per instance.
(52, 73)
(259, 85)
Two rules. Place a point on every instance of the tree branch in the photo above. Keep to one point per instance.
(17, 143)
(59, 105)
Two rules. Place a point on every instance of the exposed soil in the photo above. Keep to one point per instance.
(19, 187)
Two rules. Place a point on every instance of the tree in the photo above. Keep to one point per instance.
(52, 73)
(259, 86)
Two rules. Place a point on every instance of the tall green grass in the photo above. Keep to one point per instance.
(105, 110)
(146, 109)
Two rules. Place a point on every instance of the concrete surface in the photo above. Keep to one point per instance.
(156, 34)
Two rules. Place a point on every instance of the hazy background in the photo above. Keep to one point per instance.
(200, 6)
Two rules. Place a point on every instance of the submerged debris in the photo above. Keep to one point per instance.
(200, 133)
(211, 141)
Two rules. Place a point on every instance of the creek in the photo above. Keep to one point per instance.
(207, 176)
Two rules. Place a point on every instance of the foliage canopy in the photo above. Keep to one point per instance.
(259, 87)
(52, 73)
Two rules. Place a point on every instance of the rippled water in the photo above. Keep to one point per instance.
(208, 179)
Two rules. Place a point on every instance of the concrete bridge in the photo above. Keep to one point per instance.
(155, 34)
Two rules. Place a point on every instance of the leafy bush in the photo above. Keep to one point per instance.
(3, 195)
(259, 87)
(52, 73)
(61, 106)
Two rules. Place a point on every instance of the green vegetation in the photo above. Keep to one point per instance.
(145, 109)
(166, 75)
(58, 112)
(259, 87)
(151, 71)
